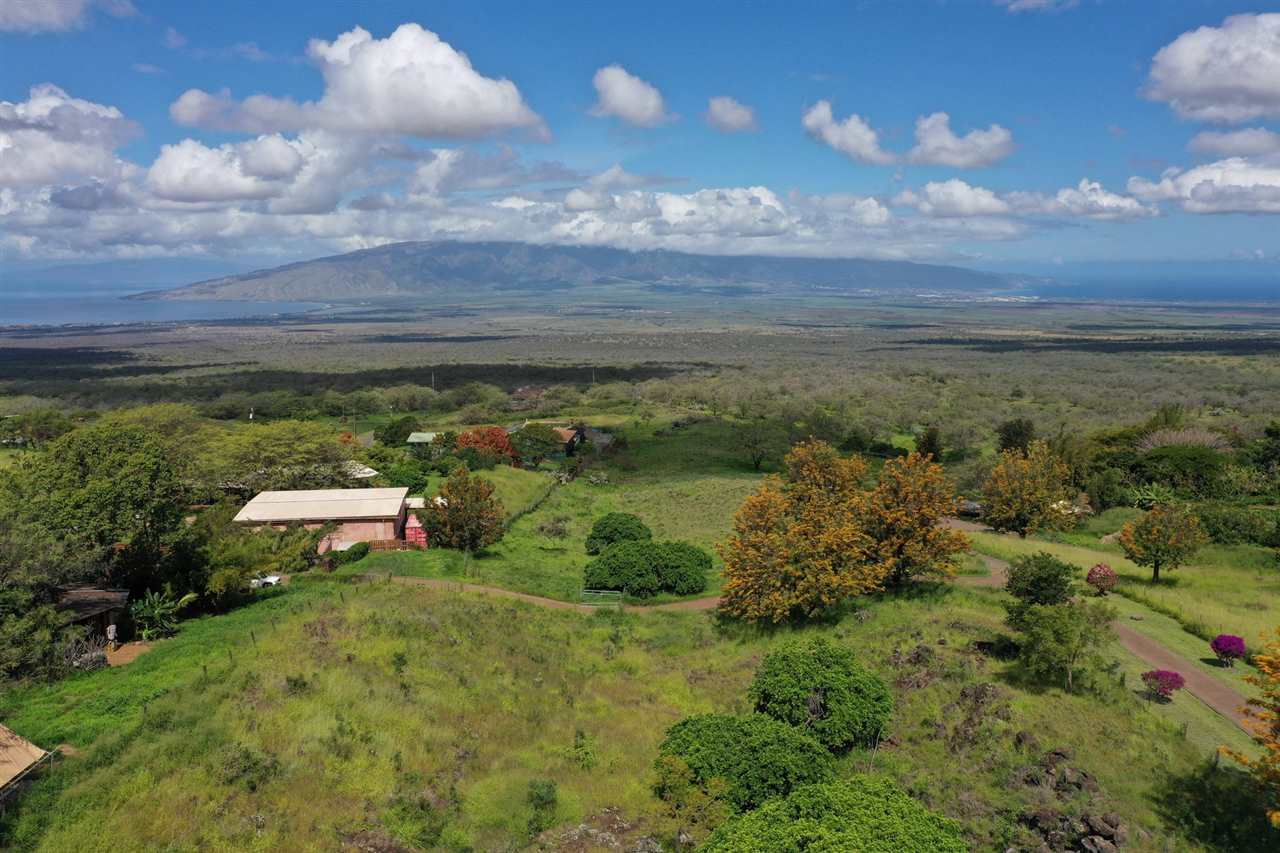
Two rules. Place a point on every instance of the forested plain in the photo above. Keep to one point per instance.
(377, 701)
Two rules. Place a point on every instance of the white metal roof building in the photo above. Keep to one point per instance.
(324, 505)
(421, 437)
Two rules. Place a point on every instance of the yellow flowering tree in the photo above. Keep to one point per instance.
(904, 515)
(1264, 721)
(1027, 491)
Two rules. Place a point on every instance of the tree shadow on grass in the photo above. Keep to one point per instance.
(1218, 806)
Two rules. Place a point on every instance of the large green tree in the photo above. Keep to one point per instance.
(273, 456)
(1165, 538)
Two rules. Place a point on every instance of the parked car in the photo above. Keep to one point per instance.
(971, 509)
(263, 581)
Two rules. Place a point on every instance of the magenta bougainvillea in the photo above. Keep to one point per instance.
(1102, 578)
(1163, 683)
(1228, 647)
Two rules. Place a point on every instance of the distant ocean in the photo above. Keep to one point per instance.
(60, 305)
(1160, 291)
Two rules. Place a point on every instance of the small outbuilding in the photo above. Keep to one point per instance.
(421, 437)
(93, 607)
(360, 515)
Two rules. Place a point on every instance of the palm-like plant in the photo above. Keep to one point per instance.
(156, 613)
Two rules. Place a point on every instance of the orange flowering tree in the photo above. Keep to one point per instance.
(798, 546)
(1264, 721)
(1166, 537)
(1027, 491)
(904, 515)
(492, 439)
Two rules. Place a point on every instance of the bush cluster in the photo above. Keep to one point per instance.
(616, 527)
(756, 757)
(820, 687)
(354, 554)
(1227, 524)
(862, 813)
(642, 568)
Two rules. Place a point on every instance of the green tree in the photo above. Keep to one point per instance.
(759, 439)
(1027, 490)
(756, 758)
(929, 444)
(1041, 578)
(32, 566)
(1064, 641)
(820, 687)
(1165, 538)
(534, 442)
(616, 527)
(1016, 434)
(105, 486)
(38, 427)
(280, 455)
(465, 515)
(396, 432)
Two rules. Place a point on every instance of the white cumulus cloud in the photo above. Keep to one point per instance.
(1229, 73)
(937, 145)
(1233, 185)
(953, 198)
(54, 138)
(410, 83)
(728, 115)
(1251, 142)
(624, 95)
(852, 137)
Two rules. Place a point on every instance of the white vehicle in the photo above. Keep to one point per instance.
(263, 581)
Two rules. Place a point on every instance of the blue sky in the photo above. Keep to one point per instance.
(121, 160)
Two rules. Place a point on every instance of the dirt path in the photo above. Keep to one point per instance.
(1222, 698)
(127, 653)
(1209, 690)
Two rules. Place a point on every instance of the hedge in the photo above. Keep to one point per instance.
(820, 687)
(758, 757)
(859, 815)
(643, 569)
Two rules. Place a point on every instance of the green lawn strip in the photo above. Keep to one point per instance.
(1159, 626)
(1207, 598)
(1204, 727)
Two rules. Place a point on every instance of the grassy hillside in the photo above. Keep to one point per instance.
(334, 713)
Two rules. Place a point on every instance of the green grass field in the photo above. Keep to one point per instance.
(685, 484)
(1225, 589)
(333, 712)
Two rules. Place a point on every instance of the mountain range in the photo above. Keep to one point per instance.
(451, 269)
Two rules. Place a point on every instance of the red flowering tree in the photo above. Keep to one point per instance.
(490, 439)
(1163, 683)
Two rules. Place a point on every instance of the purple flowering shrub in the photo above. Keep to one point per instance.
(1228, 647)
(1102, 578)
(1163, 683)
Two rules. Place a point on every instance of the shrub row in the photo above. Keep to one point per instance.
(643, 569)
